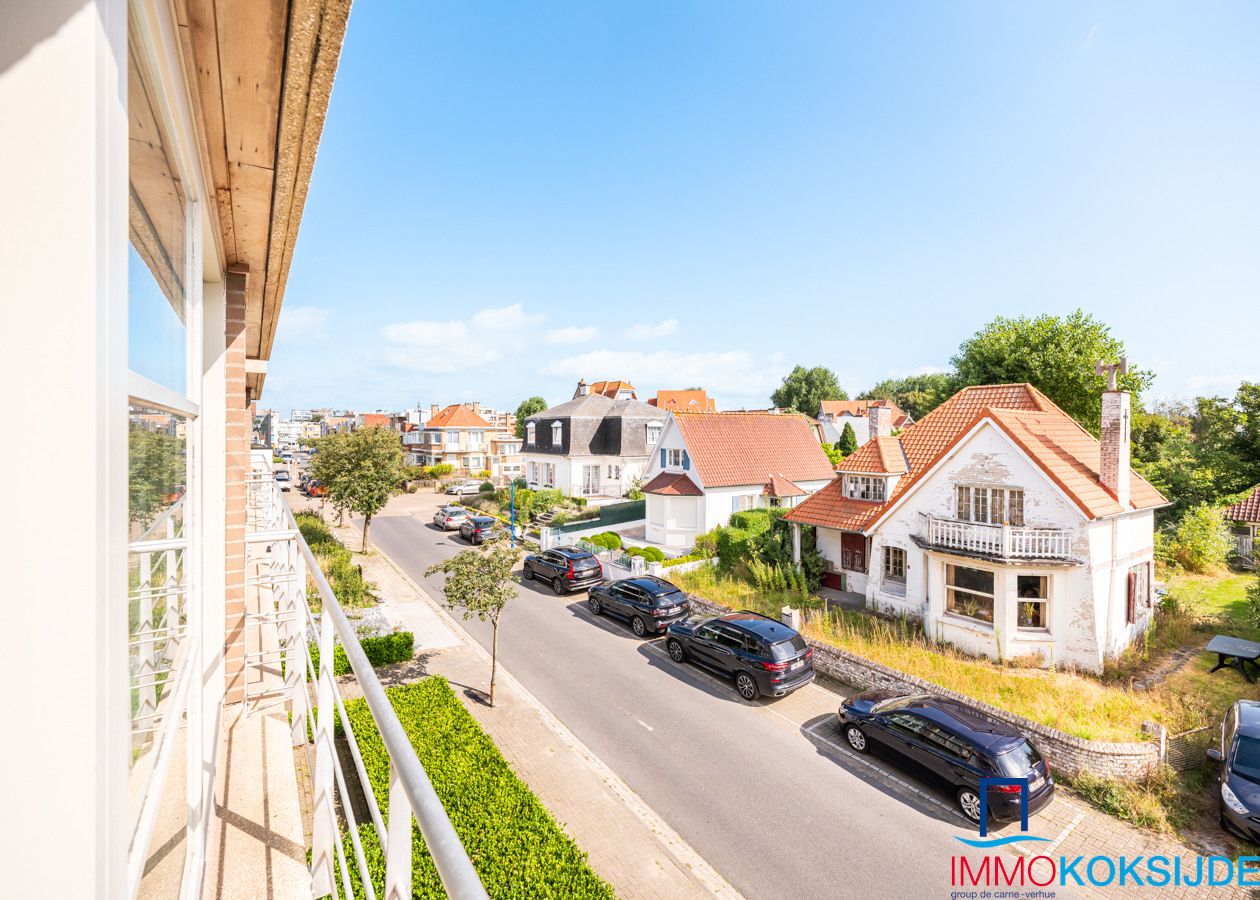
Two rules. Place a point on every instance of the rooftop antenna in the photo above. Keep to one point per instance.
(1102, 368)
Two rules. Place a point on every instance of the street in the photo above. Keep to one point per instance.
(761, 790)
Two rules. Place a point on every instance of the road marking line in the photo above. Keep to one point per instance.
(685, 856)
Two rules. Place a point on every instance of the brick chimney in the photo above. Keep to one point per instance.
(1114, 452)
(582, 389)
(880, 418)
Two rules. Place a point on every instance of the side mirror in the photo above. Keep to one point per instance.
(1214, 755)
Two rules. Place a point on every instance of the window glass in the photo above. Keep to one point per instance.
(947, 743)
(1015, 514)
(962, 502)
(1246, 761)
(969, 592)
(1032, 611)
(894, 564)
(793, 646)
(1018, 762)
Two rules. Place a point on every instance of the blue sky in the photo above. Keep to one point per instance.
(511, 196)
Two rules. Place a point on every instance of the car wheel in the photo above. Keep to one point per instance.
(557, 585)
(969, 803)
(745, 685)
(637, 626)
(676, 651)
(595, 606)
(527, 573)
(855, 737)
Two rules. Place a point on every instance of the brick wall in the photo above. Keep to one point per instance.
(238, 426)
(1066, 752)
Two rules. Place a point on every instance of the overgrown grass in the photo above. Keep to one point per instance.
(1077, 703)
(517, 848)
(344, 575)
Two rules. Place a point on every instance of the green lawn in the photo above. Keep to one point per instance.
(1212, 595)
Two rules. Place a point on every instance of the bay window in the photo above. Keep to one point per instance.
(969, 592)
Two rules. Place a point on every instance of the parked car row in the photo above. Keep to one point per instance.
(472, 528)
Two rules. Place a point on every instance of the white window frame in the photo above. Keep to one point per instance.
(557, 434)
(653, 433)
(865, 487)
(989, 504)
(673, 458)
(1043, 600)
(530, 433)
(951, 590)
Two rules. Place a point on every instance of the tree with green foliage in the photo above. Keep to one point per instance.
(1056, 354)
(480, 583)
(804, 390)
(156, 473)
(916, 395)
(1201, 541)
(531, 407)
(834, 456)
(848, 440)
(362, 470)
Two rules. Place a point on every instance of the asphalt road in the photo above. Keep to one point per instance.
(756, 788)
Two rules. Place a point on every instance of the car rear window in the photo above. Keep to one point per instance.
(1018, 762)
(793, 646)
(668, 598)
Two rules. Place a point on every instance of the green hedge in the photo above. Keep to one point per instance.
(690, 557)
(607, 539)
(380, 651)
(651, 554)
(754, 521)
(732, 547)
(515, 845)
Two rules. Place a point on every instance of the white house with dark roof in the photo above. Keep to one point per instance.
(1005, 526)
(708, 465)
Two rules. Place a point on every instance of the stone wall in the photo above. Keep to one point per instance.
(1066, 753)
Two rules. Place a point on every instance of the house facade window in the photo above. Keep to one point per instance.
(614, 472)
(674, 459)
(452, 437)
(742, 502)
(549, 473)
(654, 433)
(989, 505)
(969, 593)
(864, 487)
(1139, 591)
(557, 434)
(895, 564)
(533, 472)
(529, 433)
(1033, 599)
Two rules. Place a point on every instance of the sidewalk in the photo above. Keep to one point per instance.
(627, 843)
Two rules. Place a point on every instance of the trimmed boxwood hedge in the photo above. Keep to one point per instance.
(380, 651)
(515, 845)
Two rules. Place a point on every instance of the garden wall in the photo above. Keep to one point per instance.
(609, 514)
(1066, 752)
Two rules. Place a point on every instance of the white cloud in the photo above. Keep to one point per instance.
(304, 323)
(738, 377)
(572, 334)
(647, 332)
(485, 337)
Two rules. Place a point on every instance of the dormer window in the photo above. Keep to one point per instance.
(529, 433)
(864, 487)
(653, 433)
(557, 433)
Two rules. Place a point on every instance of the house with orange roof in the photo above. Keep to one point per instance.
(999, 521)
(708, 465)
(1244, 517)
(456, 435)
(835, 414)
(691, 400)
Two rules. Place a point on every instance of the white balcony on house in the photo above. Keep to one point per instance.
(1008, 542)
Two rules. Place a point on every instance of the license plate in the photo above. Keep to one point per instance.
(1036, 783)
(672, 610)
(796, 665)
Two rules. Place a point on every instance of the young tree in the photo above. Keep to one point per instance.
(804, 390)
(1056, 354)
(480, 583)
(530, 407)
(362, 471)
(917, 395)
(848, 440)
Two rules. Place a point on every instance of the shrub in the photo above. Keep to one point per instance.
(344, 576)
(706, 544)
(517, 848)
(607, 539)
(653, 554)
(484, 473)
(487, 487)
(690, 557)
(1200, 542)
(382, 650)
(732, 547)
(441, 470)
(754, 521)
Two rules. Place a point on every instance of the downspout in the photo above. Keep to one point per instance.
(1111, 584)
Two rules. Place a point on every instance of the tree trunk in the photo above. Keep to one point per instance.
(494, 655)
(341, 516)
(367, 520)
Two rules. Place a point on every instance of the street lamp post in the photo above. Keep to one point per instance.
(513, 531)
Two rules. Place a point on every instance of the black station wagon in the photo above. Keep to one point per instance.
(648, 603)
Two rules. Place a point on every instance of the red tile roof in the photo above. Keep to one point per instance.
(1067, 453)
(676, 400)
(371, 420)
(782, 487)
(738, 448)
(611, 388)
(1247, 509)
(674, 484)
(457, 415)
(860, 408)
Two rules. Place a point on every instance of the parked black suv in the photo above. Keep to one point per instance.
(1239, 758)
(954, 743)
(565, 568)
(648, 603)
(479, 529)
(763, 655)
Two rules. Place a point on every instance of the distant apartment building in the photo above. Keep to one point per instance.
(506, 460)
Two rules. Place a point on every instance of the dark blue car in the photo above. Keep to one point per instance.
(761, 654)
(1239, 758)
(955, 743)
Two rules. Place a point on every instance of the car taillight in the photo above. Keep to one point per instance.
(570, 573)
(774, 666)
(1007, 788)
(809, 653)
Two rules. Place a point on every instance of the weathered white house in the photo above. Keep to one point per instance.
(1009, 529)
(708, 465)
(594, 445)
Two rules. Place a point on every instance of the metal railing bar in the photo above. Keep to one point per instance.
(347, 807)
(356, 754)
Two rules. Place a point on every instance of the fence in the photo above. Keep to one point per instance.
(1188, 749)
(282, 567)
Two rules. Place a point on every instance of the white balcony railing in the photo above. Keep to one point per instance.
(1001, 541)
(280, 566)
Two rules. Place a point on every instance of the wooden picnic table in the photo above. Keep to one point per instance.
(1235, 653)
